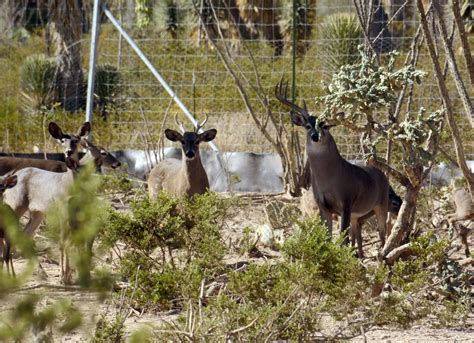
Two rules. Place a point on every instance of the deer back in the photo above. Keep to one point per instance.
(8, 164)
(37, 189)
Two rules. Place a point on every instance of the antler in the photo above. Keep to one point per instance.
(180, 125)
(281, 93)
(200, 125)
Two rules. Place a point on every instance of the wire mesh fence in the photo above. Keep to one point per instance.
(133, 107)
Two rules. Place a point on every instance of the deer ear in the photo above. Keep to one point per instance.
(298, 119)
(207, 136)
(85, 129)
(10, 181)
(55, 130)
(173, 135)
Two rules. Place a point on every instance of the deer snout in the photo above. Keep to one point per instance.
(189, 154)
(314, 136)
(116, 164)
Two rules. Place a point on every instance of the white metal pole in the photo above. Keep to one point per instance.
(92, 60)
(153, 70)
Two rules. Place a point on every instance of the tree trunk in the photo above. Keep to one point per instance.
(67, 27)
(443, 90)
(404, 221)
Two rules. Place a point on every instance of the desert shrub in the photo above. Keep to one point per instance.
(171, 245)
(107, 87)
(341, 35)
(317, 279)
(38, 81)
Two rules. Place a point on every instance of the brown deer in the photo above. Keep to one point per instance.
(464, 211)
(6, 182)
(185, 177)
(70, 143)
(339, 187)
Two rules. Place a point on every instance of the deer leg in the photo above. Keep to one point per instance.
(381, 215)
(463, 234)
(345, 223)
(326, 218)
(36, 218)
(356, 233)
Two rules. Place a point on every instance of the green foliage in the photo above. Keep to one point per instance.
(109, 330)
(28, 315)
(107, 81)
(341, 34)
(153, 232)
(359, 89)
(38, 82)
(75, 224)
(144, 12)
(115, 184)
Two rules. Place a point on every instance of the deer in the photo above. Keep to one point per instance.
(339, 187)
(70, 143)
(37, 189)
(185, 177)
(464, 211)
(7, 182)
(309, 208)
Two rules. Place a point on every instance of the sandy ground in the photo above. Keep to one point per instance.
(250, 215)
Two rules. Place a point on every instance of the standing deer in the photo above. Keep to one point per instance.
(37, 189)
(339, 187)
(185, 177)
(6, 182)
(464, 211)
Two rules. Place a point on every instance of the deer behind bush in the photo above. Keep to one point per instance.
(185, 177)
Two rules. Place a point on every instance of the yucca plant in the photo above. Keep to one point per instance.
(38, 82)
(106, 86)
(341, 34)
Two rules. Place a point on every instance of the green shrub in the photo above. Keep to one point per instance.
(38, 82)
(341, 35)
(171, 245)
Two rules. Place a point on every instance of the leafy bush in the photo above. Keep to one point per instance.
(38, 82)
(153, 232)
(106, 87)
(341, 35)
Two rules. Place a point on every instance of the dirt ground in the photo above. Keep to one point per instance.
(250, 214)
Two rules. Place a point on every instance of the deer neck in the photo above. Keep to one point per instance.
(88, 158)
(324, 158)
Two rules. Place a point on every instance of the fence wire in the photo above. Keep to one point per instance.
(258, 34)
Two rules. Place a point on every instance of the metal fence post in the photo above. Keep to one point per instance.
(92, 60)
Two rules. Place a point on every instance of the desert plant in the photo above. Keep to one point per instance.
(107, 86)
(38, 82)
(341, 35)
(171, 245)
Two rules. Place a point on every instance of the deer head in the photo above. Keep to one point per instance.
(190, 140)
(318, 131)
(101, 156)
(70, 142)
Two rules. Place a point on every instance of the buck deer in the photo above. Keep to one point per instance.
(339, 187)
(70, 143)
(188, 175)
(464, 211)
(6, 182)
